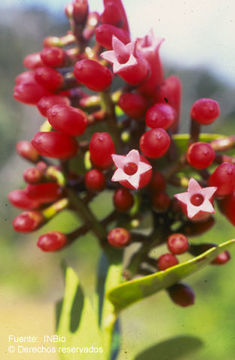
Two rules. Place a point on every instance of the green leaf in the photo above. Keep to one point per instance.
(174, 348)
(78, 322)
(138, 289)
(181, 140)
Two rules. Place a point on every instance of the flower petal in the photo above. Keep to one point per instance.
(194, 187)
(119, 175)
(119, 160)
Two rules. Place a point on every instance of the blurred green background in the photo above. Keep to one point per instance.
(31, 281)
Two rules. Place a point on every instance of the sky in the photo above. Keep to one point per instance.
(197, 33)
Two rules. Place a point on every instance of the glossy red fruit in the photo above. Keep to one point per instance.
(46, 102)
(45, 192)
(26, 76)
(157, 183)
(29, 92)
(55, 145)
(101, 148)
(177, 243)
(119, 237)
(32, 175)
(228, 207)
(181, 295)
(161, 201)
(166, 260)
(205, 111)
(52, 241)
(28, 221)
(123, 199)
(154, 143)
(49, 78)
(53, 56)
(105, 32)
(21, 200)
(93, 75)
(222, 258)
(133, 104)
(224, 179)
(67, 119)
(27, 151)
(200, 155)
(160, 115)
(95, 180)
(32, 61)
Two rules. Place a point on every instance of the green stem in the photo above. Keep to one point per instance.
(109, 315)
(87, 216)
(108, 106)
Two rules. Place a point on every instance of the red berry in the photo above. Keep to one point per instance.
(53, 56)
(181, 295)
(67, 119)
(29, 92)
(200, 155)
(46, 102)
(27, 151)
(52, 241)
(46, 192)
(161, 201)
(33, 175)
(205, 111)
(228, 207)
(160, 116)
(42, 166)
(95, 180)
(80, 11)
(157, 183)
(32, 61)
(26, 76)
(222, 258)
(119, 237)
(123, 199)
(55, 145)
(28, 221)
(49, 78)
(101, 148)
(133, 104)
(21, 200)
(177, 243)
(154, 143)
(105, 32)
(93, 75)
(166, 260)
(223, 178)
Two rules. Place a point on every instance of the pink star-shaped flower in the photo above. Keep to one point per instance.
(133, 68)
(121, 56)
(133, 170)
(149, 43)
(196, 203)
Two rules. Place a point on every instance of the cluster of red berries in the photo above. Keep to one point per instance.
(130, 130)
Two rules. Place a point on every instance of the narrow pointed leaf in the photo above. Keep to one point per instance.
(138, 289)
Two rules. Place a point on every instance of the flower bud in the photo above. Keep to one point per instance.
(51, 79)
(43, 193)
(181, 294)
(105, 32)
(55, 145)
(27, 151)
(32, 61)
(28, 221)
(52, 241)
(93, 75)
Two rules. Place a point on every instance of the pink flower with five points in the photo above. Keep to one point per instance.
(149, 47)
(196, 203)
(126, 62)
(133, 170)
